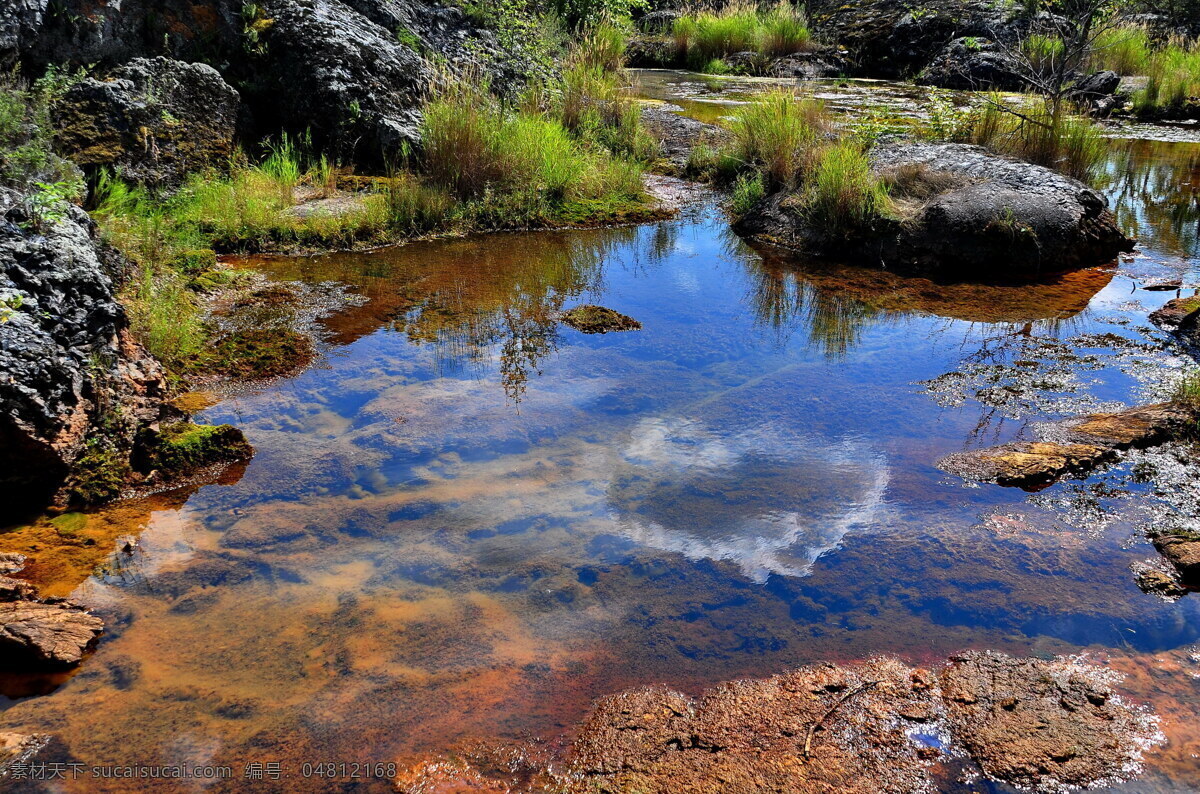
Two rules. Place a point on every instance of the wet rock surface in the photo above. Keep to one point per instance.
(677, 135)
(1181, 547)
(152, 120)
(18, 748)
(46, 635)
(66, 356)
(989, 216)
(845, 728)
(1035, 723)
(1074, 447)
(970, 63)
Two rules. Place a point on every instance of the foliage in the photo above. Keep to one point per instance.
(1187, 391)
(1125, 50)
(1065, 142)
(748, 190)
(587, 13)
(27, 157)
(1173, 84)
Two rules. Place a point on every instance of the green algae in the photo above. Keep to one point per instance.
(182, 448)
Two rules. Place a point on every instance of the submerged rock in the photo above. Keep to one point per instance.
(46, 635)
(877, 726)
(152, 120)
(67, 360)
(598, 320)
(19, 748)
(1026, 464)
(960, 210)
(1033, 723)
(1077, 446)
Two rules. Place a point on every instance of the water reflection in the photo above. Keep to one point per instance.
(1154, 189)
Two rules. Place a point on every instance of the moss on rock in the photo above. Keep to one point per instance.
(257, 353)
(98, 476)
(592, 319)
(182, 448)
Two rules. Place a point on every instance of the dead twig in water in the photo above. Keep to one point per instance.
(812, 729)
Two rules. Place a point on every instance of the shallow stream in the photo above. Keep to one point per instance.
(467, 520)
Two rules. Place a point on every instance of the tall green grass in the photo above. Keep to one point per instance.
(1058, 140)
(843, 194)
(1125, 50)
(1173, 85)
(777, 135)
(709, 36)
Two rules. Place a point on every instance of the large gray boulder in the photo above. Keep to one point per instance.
(971, 63)
(153, 121)
(68, 363)
(980, 215)
(347, 79)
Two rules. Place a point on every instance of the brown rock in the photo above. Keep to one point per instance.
(1156, 581)
(11, 562)
(817, 729)
(46, 635)
(1177, 313)
(16, 589)
(598, 320)
(1142, 426)
(1026, 464)
(1182, 549)
(1041, 724)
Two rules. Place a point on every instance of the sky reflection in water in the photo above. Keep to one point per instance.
(469, 520)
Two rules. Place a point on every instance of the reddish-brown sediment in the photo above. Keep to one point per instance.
(829, 728)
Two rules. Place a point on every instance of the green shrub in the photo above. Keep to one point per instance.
(27, 157)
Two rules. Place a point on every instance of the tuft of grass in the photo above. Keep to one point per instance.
(1187, 391)
(748, 190)
(1125, 50)
(1173, 85)
(842, 194)
(706, 37)
(1059, 140)
(777, 135)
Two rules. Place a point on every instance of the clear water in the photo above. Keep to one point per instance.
(469, 521)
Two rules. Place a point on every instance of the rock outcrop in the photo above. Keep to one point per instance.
(1037, 724)
(67, 360)
(1074, 447)
(970, 63)
(879, 726)
(1181, 547)
(152, 121)
(978, 215)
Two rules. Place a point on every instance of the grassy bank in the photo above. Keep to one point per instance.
(570, 153)
(702, 40)
(1171, 68)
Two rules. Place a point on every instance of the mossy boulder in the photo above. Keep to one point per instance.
(180, 449)
(155, 120)
(592, 319)
(98, 476)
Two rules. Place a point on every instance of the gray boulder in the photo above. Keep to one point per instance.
(153, 121)
(970, 63)
(67, 360)
(961, 210)
(20, 22)
(347, 79)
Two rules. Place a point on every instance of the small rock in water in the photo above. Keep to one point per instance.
(1155, 581)
(1182, 548)
(592, 319)
(46, 635)
(18, 748)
